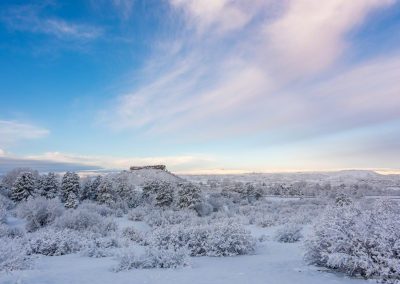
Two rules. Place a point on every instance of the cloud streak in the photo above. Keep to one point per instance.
(12, 132)
(28, 18)
(263, 81)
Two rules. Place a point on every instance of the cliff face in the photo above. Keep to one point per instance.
(155, 167)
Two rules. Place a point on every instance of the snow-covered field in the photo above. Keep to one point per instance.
(150, 226)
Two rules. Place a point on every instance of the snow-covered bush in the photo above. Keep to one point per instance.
(85, 220)
(289, 233)
(134, 235)
(137, 214)
(4, 191)
(13, 254)
(220, 239)
(3, 214)
(11, 232)
(49, 241)
(169, 217)
(100, 247)
(153, 258)
(100, 209)
(203, 208)
(39, 212)
(358, 240)
(6, 203)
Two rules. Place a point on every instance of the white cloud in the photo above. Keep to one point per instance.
(211, 88)
(221, 16)
(311, 34)
(27, 18)
(12, 132)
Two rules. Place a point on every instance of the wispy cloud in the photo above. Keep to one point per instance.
(217, 86)
(124, 7)
(28, 18)
(310, 34)
(12, 132)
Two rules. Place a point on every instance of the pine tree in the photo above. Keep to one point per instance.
(49, 186)
(165, 195)
(23, 187)
(105, 193)
(72, 200)
(69, 184)
(89, 191)
(189, 195)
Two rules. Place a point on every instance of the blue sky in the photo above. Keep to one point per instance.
(201, 85)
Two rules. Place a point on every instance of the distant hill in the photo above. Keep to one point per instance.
(142, 176)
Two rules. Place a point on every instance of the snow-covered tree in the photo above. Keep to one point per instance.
(69, 184)
(122, 186)
(357, 240)
(165, 195)
(23, 187)
(94, 187)
(105, 192)
(89, 190)
(189, 195)
(49, 186)
(150, 189)
(9, 179)
(71, 201)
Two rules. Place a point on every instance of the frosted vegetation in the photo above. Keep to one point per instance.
(347, 223)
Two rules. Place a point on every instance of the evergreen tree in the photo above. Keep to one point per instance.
(23, 187)
(49, 185)
(105, 193)
(189, 195)
(72, 200)
(89, 191)
(69, 184)
(165, 195)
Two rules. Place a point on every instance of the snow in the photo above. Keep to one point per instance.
(288, 208)
(272, 263)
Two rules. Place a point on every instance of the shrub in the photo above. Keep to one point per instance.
(13, 255)
(153, 258)
(102, 210)
(100, 247)
(137, 214)
(221, 239)
(50, 242)
(11, 232)
(133, 235)
(358, 241)
(169, 217)
(289, 233)
(39, 212)
(6, 203)
(85, 220)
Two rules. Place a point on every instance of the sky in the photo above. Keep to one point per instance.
(203, 86)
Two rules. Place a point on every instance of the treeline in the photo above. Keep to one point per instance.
(115, 191)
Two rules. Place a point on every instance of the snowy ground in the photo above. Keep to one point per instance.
(273, 262)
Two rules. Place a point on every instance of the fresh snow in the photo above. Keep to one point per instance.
(273, 262)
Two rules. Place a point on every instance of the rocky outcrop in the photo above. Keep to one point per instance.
(155, 167)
